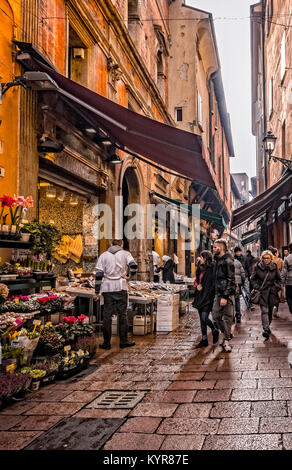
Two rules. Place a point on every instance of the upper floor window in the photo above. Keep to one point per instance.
(77, 59)
(199, 109)
(269, 15)
(178, 114)
(271, 96)
(160, 73)
(283, 55)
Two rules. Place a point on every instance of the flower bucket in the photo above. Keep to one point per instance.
(25, 237)
(35, 385)
(48, 379)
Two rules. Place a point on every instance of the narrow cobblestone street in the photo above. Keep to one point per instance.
(191, 399)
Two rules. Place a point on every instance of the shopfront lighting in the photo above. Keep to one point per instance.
(61, 195)
(269, 143)
(90, 130)
(73, 200)
(115, 159)
(51, 192)
(105, 141)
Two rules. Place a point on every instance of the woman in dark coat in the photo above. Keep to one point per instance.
(269, 292)
(168, 269)
(204, 296)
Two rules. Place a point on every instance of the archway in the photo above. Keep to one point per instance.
(131, 195)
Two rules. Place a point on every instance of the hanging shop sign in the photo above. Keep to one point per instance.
(290, 200)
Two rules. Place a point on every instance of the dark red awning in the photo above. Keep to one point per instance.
(263, 202)
(163, 144)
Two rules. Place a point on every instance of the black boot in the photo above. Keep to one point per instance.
(238, 318)
(202, 344)
(215, 334)
(128, 344)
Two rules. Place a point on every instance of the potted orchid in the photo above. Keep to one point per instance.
(6, 201)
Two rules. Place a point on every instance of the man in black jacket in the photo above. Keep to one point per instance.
(223, 306)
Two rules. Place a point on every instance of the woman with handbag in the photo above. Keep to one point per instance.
(204, 297)
(266, 282)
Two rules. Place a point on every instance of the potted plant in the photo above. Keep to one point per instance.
(4, 292)
(51, 369)
(11, 384)
(36, 375)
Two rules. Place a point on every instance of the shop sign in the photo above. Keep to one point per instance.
(290, 200)
(281, 208)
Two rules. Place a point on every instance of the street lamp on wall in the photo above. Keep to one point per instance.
(269, 143)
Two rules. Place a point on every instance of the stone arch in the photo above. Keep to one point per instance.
(132, 190)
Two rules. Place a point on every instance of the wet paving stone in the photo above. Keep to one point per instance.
(274, 425)
(154, 409)
(134, 441)
(81, 396)
(101, 413)
(141, 424)
(212, 395)
(243, 442)
(7, 422)
(183, 396)
(37, 423)
(239, 426)
(193, 410)
(186, 376)
(16, 440)
(231, 410)
(251, 394)
(236, 383)
(275, 383)
(62, 409)
(78, 434)
(185, 442)
(269, 409)
(192, 385)
(188, 426)
(49, 395)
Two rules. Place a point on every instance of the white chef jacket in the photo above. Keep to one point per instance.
(156, 258)
(114, 266)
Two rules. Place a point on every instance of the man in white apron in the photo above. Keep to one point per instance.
(111, 280)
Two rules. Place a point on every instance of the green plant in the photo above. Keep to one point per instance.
(44, 237)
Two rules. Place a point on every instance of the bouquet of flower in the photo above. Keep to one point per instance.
(50, 341)
(22, 306)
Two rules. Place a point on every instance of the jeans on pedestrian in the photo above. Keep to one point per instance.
(289, 297)
(223, 316)
(115, 303)
(267, 315)
(205, 321)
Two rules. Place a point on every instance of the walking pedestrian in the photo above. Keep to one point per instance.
(111, 280)
(285, 251)
(239, 281)
(224, 280)
(168, 269)
(156, 262)
(249, 262)
(266, 279)
(287, 277)
(246, 285)
(204, 297)
(279, 263)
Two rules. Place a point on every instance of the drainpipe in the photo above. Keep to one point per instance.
(264, 89)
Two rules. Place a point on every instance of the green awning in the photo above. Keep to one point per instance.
(250, 239)
(205, 215)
